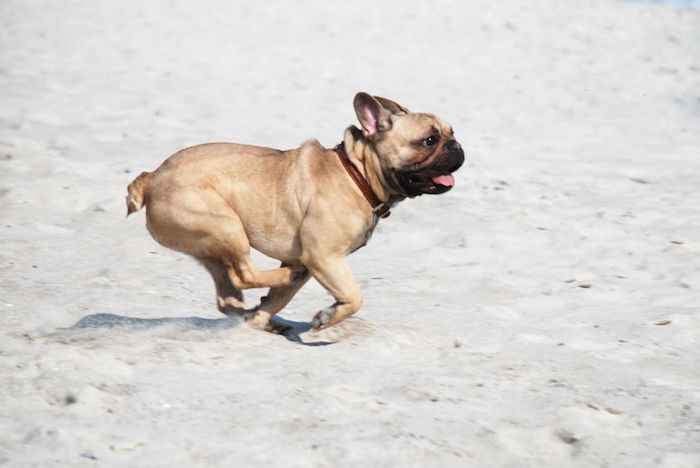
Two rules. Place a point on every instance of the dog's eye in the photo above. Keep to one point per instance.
(432, 140)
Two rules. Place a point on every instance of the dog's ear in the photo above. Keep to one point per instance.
(373, 116)
(393, 107)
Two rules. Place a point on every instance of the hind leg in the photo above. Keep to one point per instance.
(202, 224)
(228, 242)
(244, 274)
(274, 301)
(228, 299)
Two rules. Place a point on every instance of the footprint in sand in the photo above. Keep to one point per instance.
(349, 328)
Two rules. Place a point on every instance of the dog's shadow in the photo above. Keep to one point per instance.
(293, 329)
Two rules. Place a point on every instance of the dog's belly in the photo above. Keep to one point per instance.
(276, 240)
(284, 250)
(271, 228)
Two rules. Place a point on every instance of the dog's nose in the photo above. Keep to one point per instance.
(457, 154)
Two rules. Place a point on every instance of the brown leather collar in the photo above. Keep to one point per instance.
(379, 208)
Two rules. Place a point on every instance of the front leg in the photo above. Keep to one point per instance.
(334, 275)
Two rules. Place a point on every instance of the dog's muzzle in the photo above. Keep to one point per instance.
(436, 178)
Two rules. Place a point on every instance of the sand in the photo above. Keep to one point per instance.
(543, 313)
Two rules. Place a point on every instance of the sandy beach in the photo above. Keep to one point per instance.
(543, 313)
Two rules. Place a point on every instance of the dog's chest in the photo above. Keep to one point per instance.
(363, 239)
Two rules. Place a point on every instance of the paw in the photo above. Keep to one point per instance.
(257, 319)
(322, 318)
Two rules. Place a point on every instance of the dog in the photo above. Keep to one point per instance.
(307, 207)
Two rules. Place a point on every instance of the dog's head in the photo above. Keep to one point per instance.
(417, 151)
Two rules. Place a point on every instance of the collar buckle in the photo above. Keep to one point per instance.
(381, 210)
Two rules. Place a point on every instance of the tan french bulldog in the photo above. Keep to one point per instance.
(308, 207)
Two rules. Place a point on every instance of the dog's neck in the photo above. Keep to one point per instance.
(362, 156)
(379, 208)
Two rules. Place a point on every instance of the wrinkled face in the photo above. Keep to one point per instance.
(420, 153)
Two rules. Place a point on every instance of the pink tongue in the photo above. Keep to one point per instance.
(446, 180)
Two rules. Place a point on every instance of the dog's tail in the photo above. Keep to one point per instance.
(137, 192)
